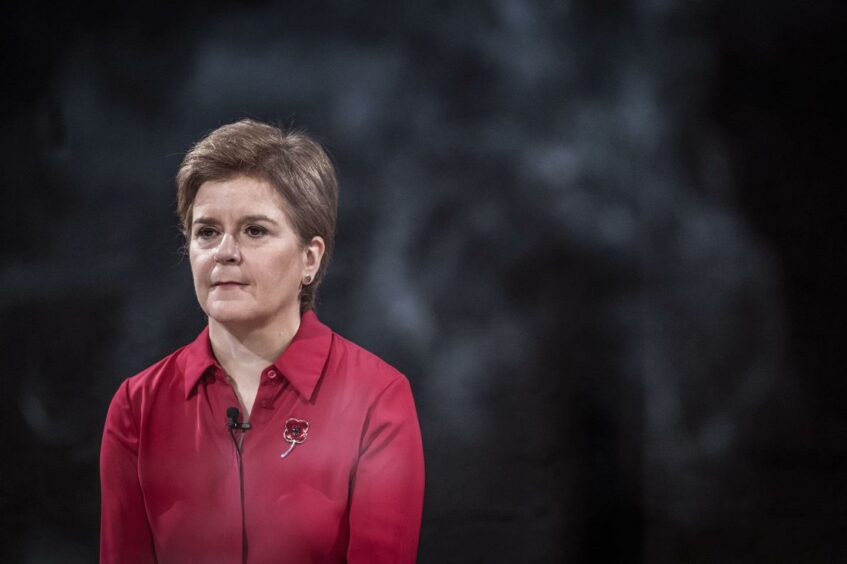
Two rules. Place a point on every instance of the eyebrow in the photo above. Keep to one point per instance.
(249, 218)
(246, 219)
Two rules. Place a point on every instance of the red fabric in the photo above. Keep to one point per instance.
(352, 490)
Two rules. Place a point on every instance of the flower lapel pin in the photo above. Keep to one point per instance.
(295, 432)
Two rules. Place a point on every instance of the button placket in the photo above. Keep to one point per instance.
(265, 395)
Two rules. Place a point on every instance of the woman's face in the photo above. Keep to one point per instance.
(246, 259)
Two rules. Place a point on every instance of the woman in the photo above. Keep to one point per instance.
(270, 438)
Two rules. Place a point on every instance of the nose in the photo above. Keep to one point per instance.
(227, 251)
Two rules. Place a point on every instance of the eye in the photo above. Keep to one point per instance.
(255, 231)
(205, 233)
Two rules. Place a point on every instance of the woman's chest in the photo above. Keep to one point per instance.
(192, 473)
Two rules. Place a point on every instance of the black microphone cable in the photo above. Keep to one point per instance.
(232, 414)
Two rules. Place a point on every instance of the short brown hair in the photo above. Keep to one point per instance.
(293, 163)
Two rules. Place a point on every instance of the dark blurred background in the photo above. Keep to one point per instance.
(603, 240)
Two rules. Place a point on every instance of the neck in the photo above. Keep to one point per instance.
(238, 347)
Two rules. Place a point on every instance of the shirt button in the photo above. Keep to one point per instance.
(271, 374)
(266, 404)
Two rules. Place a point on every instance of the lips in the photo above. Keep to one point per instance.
(227, 284)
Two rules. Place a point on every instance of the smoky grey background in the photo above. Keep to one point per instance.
(600, 241)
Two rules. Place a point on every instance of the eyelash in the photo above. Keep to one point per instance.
(205, 233)
(252, 231)
(257, 230)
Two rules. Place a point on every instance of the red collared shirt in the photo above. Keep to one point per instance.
(175, 491)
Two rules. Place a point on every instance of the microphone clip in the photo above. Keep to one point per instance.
(232, 422)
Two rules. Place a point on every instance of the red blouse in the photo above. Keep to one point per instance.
(176, 489)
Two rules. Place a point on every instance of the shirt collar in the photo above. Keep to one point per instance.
(302, 362)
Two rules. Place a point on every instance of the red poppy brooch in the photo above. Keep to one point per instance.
(295, 432)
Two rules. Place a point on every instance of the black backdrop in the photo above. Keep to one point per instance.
(601, 239)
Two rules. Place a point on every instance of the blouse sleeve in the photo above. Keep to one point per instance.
(386, 498)
(125, 535)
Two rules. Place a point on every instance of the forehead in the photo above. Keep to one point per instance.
(240, 195)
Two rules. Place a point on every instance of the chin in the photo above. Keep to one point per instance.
(230, 313)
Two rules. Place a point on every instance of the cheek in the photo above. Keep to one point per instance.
(290, 268)
(199, 262)
(281, 264)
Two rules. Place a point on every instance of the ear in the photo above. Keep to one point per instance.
(313, 253)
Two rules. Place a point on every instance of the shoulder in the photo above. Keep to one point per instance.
(364, 367)
(163, 372)
(374, 392)
(166, 375)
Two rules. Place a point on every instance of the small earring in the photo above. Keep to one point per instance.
(308, 279)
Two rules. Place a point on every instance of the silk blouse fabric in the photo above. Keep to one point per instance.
(175, 491)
